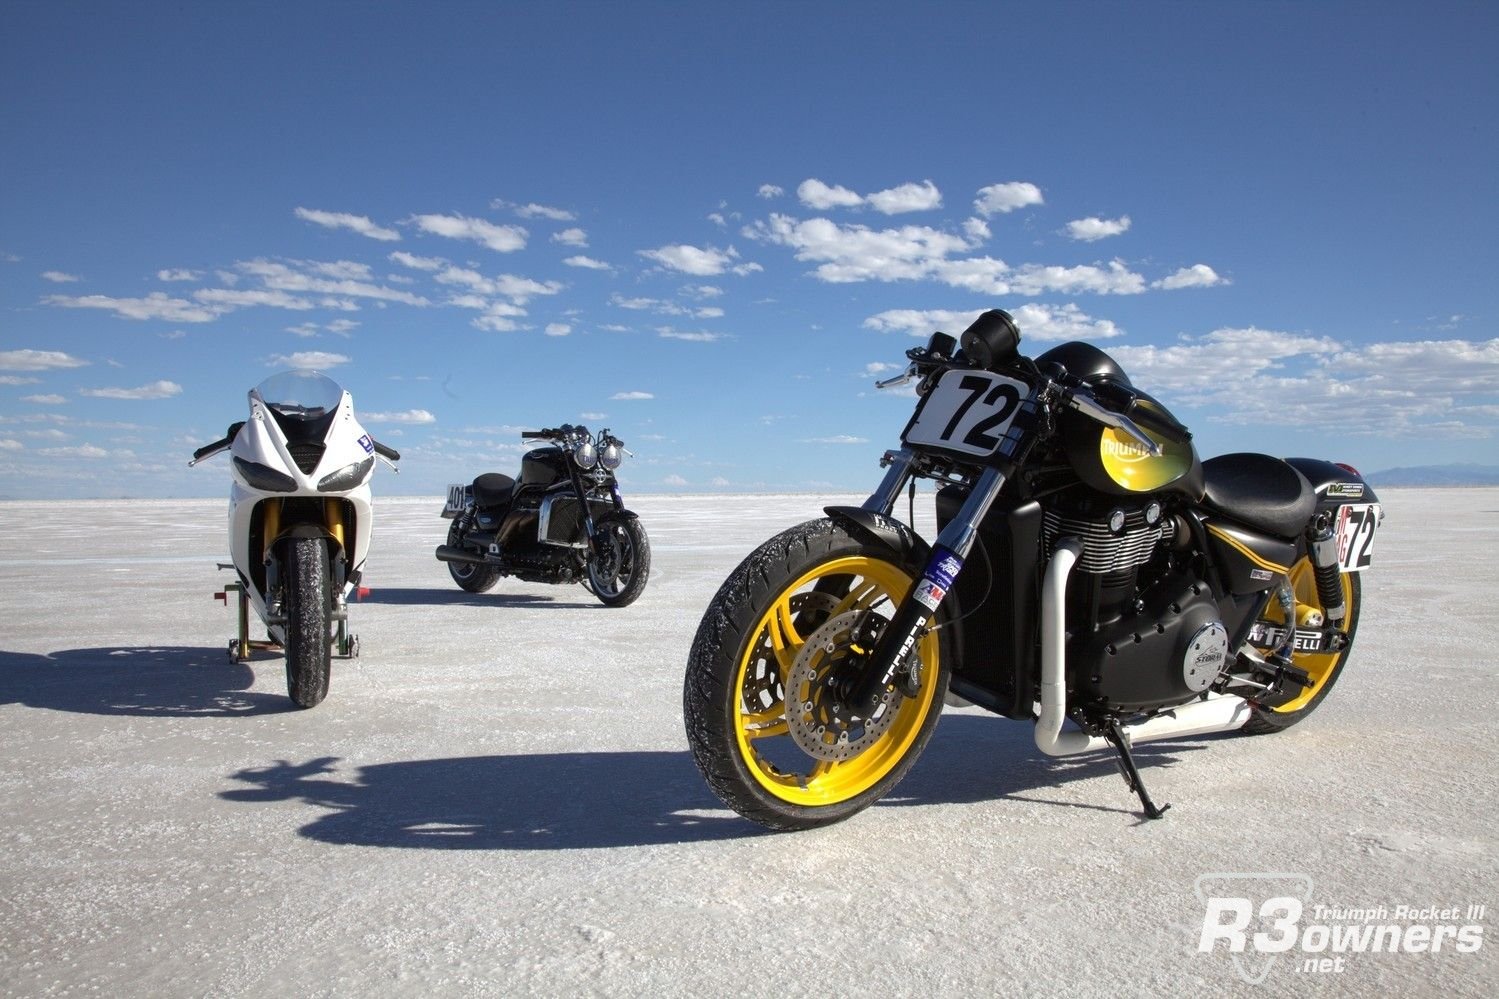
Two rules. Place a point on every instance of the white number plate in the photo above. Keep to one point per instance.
(1356, 524)
(967, 412)
(457, 499)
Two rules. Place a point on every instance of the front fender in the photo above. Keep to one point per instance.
(905, 544)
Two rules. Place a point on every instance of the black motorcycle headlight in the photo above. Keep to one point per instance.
(346, 478)
(262, 477)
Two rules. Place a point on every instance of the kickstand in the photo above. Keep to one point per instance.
(1120, 741)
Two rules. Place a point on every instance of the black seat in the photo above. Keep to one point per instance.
(493, 489)
(1259, 491)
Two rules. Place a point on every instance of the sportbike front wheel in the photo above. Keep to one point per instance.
(781, 638)
(1324, 667)
(309, 611)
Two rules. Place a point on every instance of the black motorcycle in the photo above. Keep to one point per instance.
(563, 522)
(1089, 569)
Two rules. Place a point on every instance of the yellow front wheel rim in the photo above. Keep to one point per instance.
(760, 727)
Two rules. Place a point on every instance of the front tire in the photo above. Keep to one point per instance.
(620, 562)
(1324, 667)
(784, 620)
(309, 607)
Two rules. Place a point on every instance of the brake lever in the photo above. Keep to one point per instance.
(899, 379)
(1091, 408)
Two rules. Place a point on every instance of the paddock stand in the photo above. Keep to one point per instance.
(345, 645)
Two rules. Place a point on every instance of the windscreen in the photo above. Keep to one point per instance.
(304, 394)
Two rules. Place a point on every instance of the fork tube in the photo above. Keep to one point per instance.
(882, 500)
(899, 636)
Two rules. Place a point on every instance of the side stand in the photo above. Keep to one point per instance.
(1131, 773)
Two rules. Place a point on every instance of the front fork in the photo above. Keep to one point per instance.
(899, 637)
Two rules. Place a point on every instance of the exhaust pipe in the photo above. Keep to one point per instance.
(448, 553)
(1219, 713)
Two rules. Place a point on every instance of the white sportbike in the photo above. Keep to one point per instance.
(299, 520)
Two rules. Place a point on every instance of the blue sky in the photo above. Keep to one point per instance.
(711, 227)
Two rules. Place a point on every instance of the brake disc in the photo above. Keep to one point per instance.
(763, 686)
(820, 723)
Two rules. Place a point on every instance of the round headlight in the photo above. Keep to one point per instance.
(585, 454)
(611, 456)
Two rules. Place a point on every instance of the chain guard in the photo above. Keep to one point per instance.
(820, 723)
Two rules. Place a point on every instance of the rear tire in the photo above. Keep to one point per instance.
(1324, 667)
(309, 606)
(756, 642)
(470, 577)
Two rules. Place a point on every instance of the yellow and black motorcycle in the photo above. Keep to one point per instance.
(1089, 569)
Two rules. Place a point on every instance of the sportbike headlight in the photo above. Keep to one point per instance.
(346, 478)
(612, 456)
(263, 477)
(585, 454)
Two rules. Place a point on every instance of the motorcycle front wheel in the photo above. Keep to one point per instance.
(309, 606)
(765, 726)
(620, 562)
(1323, 667)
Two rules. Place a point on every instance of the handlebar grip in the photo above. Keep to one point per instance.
(386, 451)
(1166, 426)
(208, 449)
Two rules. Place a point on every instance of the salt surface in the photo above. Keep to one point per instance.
(497, 797)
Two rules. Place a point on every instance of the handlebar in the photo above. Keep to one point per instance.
(209, 449)
(385, 451)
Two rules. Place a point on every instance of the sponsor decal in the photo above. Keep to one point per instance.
(1346, 490)
(368, 443)
(929, 594)
(1256, 919)
(1125, 450)
(941, 570)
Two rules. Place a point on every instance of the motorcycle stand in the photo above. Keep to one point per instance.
(1116, 737)
(241, 647)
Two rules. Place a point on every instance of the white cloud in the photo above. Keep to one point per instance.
(1116, 279)
(418, 263)
(587, 263)
(37, 360)
(45, 400)
(571, 237)
(1092, 228)
(701, 291)
(770, 191)
(997, 199)
(558, 329)
(977, 229)
(58, 277)
(695, 260)
(500, 238)
(11, 444)
(342, 220)
(518, 289)
(1036, 322)
(906, 198)
(846, 253)
(154, 306)
(80, 451)
(410, 416)
(179, 274)
(594, 416)
(534, 211)
(835, 439)
(18, 380)
(631, 396)
(820, 197)
(665, 308)
(743, 269)
(155, 390)
(674, 480)
(338, 278)
(1196, 276)
(225, 299)
(694, 336)
(319, 359)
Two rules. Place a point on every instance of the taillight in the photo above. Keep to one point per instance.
(1348, 468)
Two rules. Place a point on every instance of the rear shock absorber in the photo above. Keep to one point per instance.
(1324, 548)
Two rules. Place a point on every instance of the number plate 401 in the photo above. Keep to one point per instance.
(967, 412)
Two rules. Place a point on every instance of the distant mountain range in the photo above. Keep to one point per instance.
(1437, 475)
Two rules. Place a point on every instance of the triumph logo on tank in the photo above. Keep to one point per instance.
(1125, 450)
(1258, 918)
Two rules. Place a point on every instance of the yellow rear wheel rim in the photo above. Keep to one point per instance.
(1319, 665)
(811, 781)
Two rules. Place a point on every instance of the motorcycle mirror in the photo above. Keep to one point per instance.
(941, 343)
(993, 339)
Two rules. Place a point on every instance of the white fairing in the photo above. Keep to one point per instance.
(1217, 713)
(262, 442)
